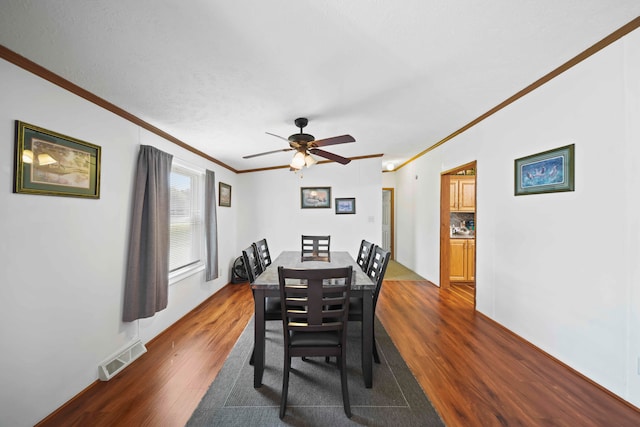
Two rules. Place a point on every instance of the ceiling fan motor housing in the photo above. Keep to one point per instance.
(301, 137)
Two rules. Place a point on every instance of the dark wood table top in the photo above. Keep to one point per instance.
(291, 259)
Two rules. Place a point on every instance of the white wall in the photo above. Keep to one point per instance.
(62, 260)
(270, 206)
(560, 270)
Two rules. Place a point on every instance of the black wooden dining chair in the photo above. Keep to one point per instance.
(252, 263)
(262, 250)
(316, 248)
(364, 255)
(315, 307)
(254, 269)
(376, 270)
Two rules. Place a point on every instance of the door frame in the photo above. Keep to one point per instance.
(445, 216)
(392, 220)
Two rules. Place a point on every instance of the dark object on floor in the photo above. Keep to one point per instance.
(238, 271)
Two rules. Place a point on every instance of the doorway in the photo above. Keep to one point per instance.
(388, 223)
(458, 229)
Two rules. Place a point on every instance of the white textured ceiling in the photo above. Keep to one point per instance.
(397, 75)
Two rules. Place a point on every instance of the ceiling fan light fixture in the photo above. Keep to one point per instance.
(309, 160)
(304, 143)
(298, 160)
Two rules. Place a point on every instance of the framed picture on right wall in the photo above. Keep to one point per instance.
(546, 172)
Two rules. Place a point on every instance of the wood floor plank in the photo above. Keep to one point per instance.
(479, 374)
(164, 386)
(475, 372)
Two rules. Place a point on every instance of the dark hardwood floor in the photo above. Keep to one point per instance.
(475, 372)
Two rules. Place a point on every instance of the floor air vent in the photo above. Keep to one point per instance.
(110, 367)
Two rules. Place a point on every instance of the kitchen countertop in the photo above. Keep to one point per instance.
(462, 236)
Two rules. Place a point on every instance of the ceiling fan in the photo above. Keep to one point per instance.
(305, 145)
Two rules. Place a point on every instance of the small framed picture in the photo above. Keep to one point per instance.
(315, 197)
(52, 164)
(547, 172)
(346, 205)
(224, 194)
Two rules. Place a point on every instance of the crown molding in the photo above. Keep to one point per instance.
(616, 35)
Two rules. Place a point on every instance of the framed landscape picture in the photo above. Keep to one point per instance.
(53, 164)
(346, 205)
(315, 197)
(547, 172)
(224, 195)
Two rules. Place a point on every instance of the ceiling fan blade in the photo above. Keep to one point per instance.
(330, 156)
(277, 136)
(266, 152)
(334, 140)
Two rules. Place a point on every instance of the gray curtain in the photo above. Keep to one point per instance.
(147, 281)
(211, 226)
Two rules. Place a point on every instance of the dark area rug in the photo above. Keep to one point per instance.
(315, 398)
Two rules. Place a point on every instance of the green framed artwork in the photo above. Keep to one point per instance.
(547, 172)
(52, 164)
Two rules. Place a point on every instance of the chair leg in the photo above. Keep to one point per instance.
(376, 358)
(285, 385)
(342, 362)
(253, 355)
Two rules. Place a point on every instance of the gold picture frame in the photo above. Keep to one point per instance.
(49, 163)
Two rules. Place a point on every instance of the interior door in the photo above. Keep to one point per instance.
(387, 220)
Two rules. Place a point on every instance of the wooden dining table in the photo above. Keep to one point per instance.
(267, 285)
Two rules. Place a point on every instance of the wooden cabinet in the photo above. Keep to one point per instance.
(462, 195)
(471, 260)
(462, 256)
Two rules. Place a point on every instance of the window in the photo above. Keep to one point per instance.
(186, 227)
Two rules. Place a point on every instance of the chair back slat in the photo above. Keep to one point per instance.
(318, 304)
(251, 263)
(316, 248)
(377, 268)
(262, 250)
(364, 255)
